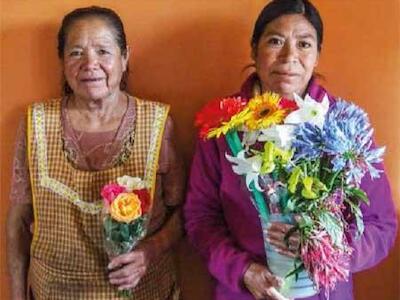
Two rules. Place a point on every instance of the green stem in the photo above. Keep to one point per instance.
(332, 181)
(317, 168)
(233, 140)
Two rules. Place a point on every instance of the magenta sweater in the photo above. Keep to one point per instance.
(224, 226)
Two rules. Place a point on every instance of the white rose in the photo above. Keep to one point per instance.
(130, 183)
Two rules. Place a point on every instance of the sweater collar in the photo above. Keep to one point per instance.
(315, 90)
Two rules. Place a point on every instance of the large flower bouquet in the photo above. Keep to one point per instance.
(126, 208)
(305, 158)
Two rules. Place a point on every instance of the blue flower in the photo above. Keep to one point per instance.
(347, 139)
(307, 142)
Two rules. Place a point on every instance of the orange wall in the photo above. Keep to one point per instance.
(186, 52)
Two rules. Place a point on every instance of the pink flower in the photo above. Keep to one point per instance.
(334, 203)
(110, 192)
(326, 263)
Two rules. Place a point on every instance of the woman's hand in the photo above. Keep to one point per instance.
(128, 269)
(275, 235)
(262, 283)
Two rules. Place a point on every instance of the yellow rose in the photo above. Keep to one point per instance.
(126, 208)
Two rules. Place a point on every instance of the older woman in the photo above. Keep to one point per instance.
(67, 149)
(220, 219)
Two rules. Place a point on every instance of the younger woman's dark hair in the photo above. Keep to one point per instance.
(106, 14)
(278, 8)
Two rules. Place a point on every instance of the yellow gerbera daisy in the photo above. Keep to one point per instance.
(265, 111)
(236, 121)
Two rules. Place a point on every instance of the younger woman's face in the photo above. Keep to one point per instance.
(286, 55)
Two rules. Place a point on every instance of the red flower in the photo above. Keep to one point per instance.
(217, 111)
(144, 197)
(288, 104)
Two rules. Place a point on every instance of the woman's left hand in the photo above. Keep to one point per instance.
(127, 269)
(275, 235)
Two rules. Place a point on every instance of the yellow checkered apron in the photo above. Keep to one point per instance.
(68, 260)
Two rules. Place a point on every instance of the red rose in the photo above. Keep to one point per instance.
(144, 197)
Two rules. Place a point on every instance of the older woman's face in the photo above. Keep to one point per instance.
(93, 63)
(286, 55)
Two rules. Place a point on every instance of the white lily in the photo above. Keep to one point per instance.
(281, 135)
(131, 183)
(249, 138)
(250, 167)
(309, 111)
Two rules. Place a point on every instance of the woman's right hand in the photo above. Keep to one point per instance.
(262, 283)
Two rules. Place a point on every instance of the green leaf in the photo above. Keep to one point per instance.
(332, 226)
(296, 271)
(355, 209)
(360, 225)
(275, 173)
(107, 225)
(125, 294)
(290, 205)
(283, 197)
(136, 227)
(305, 221)
(124, 230)
(358, 193)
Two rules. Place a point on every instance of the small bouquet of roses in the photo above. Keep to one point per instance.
(126, 205)
(126, 208)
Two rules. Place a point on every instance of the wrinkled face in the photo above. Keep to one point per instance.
(93, 63)
(286, 55)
